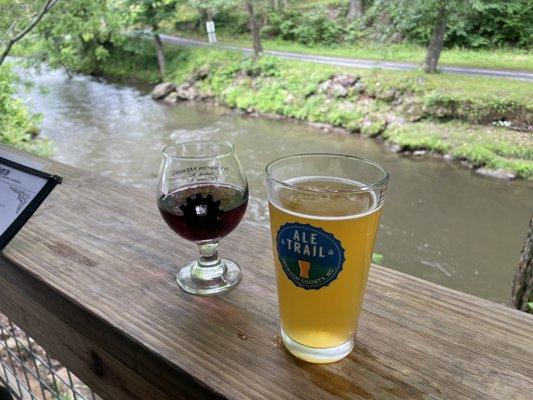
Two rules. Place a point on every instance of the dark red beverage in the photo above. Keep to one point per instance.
(203, 211)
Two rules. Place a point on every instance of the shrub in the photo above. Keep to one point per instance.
(17, 125)
(472, 24)
(310, 28)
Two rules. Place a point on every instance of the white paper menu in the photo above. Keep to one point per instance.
(17, 190)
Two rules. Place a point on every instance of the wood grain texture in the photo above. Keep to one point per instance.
(91, 277)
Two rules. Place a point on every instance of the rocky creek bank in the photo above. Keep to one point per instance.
(345, 102)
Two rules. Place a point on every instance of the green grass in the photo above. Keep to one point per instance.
(479, 100)
(481, 145)
(453, 86)
(471, 88)
(509, 59)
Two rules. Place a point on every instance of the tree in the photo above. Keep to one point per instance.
(277, 5)
(17, 124)
(420, 21)
(18, 18)
(355, 9)
(254, 28)
(522, 290)
(78, 34)
(437, 39)
(152, 13)
(211, 7)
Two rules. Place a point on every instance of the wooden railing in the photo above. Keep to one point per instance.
(91, 278)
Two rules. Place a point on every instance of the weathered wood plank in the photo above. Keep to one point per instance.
(91, 276)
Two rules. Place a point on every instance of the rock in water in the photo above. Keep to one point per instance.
(394, 148)
(466, 164)
(186, 92)
(497, 173)
(172, 97)
(162, 90)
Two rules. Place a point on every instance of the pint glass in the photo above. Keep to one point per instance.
(324, 215)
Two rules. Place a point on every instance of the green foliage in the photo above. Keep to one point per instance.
(229, 15)
(472, 23)
(133, 60)
(372, 129)
(214, 6)
(308, 29)
(265, 66)
(77, 34)
(17, 19)
(17, 125)
(228, 21)
(12, 11)
(151, 13)
(490, 23)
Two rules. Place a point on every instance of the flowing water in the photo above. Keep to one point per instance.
(441, 222)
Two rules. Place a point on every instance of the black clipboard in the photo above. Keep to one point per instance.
(33, 205)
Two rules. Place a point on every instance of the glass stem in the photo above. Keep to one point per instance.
(209, 265)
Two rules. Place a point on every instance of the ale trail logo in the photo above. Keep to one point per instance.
(310, 257)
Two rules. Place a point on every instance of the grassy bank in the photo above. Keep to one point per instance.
(506, 59)
(496, 148)
(441, 113)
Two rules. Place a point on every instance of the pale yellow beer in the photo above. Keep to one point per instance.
(326, 317)
(323, 233)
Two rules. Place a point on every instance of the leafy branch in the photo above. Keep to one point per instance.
(35, 19)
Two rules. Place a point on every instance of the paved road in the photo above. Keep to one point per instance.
(357, 63)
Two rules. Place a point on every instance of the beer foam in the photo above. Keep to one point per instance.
(322, 192)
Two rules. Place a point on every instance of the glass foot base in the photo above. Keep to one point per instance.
(317, 355)
(209, 284)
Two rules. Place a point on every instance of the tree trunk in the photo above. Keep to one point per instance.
(159, 53)
(254, 28)
(355, 9)
(522, 291)
(437, 41)
(275, 4)
(285, 4)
